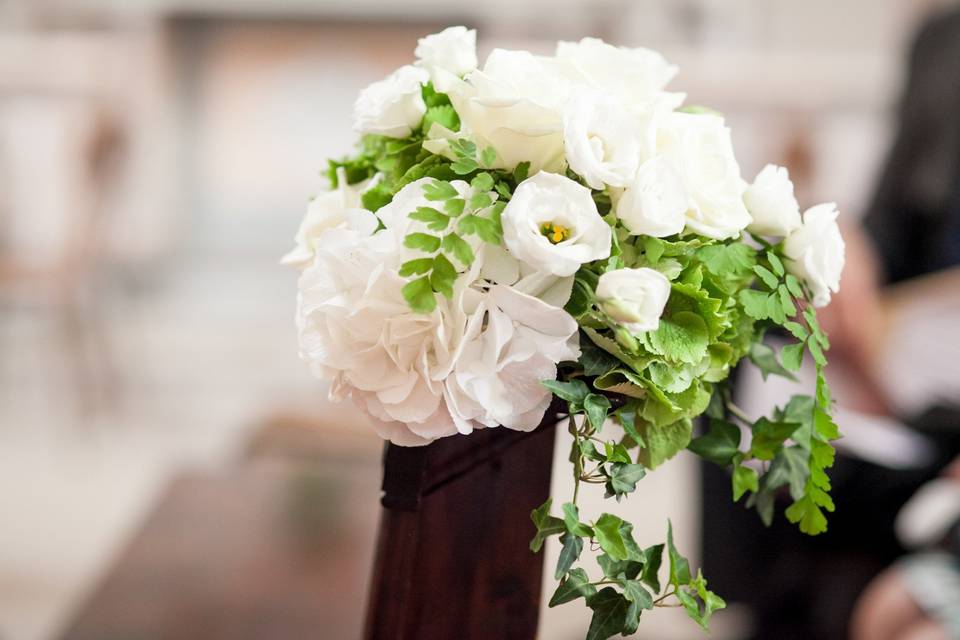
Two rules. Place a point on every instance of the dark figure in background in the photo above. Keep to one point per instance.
(806, 588)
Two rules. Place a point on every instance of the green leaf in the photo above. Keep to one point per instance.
(775, 263)
(416, 267)
(482, 182)
(459, 248)
(480, 201)
(769, 436)
(653, 557)
(609, 614)
(488, 157)
(634, 592)
(768, 278)
(754, 303)
(616, 452)
(439, 190)
(485, 228)
(422, 241)
(617, 568)
(766, 360)
(798, 330)
(464, 166)
(376, 197)
(596, 407)
(521, 171)
(546, 525)
(789, 467)
(679, 566)
(607, 532)
(590, 451)
(786, 303)
(792, 356)
(443, 276)
(624, 477)
(663, 442)
(653, 249)
(728, 260)
(419, 295)
(682, 337)
(454, 206)
(744, 479)
(571, 518)
(595, 360)
(719, 445)
(574, 391)
(808, 515)
(575, 585)
(569, 553)
(435, 220)
(793, 286)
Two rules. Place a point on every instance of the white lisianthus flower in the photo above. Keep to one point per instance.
(448, 55)
(655, 203)
(331, 209)
(771, 203)
(552, 224)
(635, 298)
(699, 148)
(816, 252)
(635, 76)
(601, 140)
(394, 106)
(514, 104)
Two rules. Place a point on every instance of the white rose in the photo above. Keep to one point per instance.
(601, 140)
(331, 209)
(698, 146)
(394, 106)
(771, 203)
(635, 76)
(816, 252)
(553, 225)
(655, 203)
(635, 298)
(448, 55)
(514, 104)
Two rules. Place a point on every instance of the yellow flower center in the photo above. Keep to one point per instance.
(555, 233)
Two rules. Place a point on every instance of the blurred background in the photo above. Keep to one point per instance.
(168, 467)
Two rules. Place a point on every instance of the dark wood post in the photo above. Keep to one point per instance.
(453, 558)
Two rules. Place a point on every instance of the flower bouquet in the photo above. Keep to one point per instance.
(563, 226)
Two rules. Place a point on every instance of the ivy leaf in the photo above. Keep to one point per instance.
(607, 532)
(616, 452)
(416, 267)
(569, 553)
(634, 592)
(744, 479)
(596, 407)
(571, 518)
(595, 360)
(653, 556)
(682, 337)
(679, 566)
(769, 436)
(720, 444)
(439, 190)
(624, 478)
(419, 295)
(575, 585)
(546, 524)
(609, 614)
(574, 391)
(422, 241)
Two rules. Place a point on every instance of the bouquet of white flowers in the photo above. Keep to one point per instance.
(564, 226)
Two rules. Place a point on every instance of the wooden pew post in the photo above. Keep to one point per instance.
(453, 558)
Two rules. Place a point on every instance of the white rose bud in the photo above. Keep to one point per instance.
(553, 225)
(601, 140)
(816, 252)
(655, 202)
(635, 298)
(448, 55)
(771, 203)
(393, 106)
